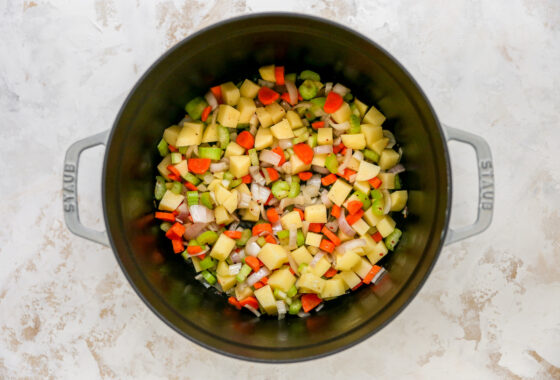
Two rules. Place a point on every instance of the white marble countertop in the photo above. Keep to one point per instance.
(490, 309)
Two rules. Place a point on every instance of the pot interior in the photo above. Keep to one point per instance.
(234, 50)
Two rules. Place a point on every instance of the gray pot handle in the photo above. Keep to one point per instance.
(485, 185)
(70, 188)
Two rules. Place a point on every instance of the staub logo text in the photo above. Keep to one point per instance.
(69, 188)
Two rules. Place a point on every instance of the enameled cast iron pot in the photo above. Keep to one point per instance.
(233, 50)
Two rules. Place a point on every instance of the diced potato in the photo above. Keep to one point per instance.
(170, 201)
(282, 130)
(366, 171)
(320, 267)
(325, 136)
(162, 166)
(266, 299)
(230, 204)
(221, 194)
(373, 116)
(386, 225)
(379, 145)
(354, 164)
(291, 220)
(191, 134)
(239, 165)
(362, 108)
(355, 141)
(362, 268)
(228, 116)
(398, 200)
(196, 264)
(346, 260)
(222, 216)
(282, 279)
(362, 186)
(222, 248)
(267, 73)
(273, 256)
(294, 119)
(182, 167)
(388, 159)
(333, 288)
(387, 180)
(210, 133)
(342, 114)
(377, 252)
(264, 117)
(308, 282)
(249, 89)
(350, 278)
(316, 213)
(227, 282)
(313, 239)
(243, 291)
(230, 93)
(319, 159)
(373, 133)
(342, 236)
(170, 134)
(302, 255)
(242, 188)
(246, 108)
(298, 165)
(275, 111)
(371, 218)
(222, 268)
(234, 149)
(215, 182)
(361, 227)
(252, 213)
(263, 139)
(339, 191)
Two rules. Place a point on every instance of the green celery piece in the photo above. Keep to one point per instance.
(377, 207)
(254, 157)
(279, 295)
(195, 107)
(300, 238)
(183, 149)
(189, 177)
(192, 198)
(280, 189)
(376, 194)
(348, 97)
(354, 125)
(177, 187)
(302, 267)
(243, 273)
(398, 183)
(207, 237)
(206, 200)
(160, 188)
(354, 109)
(312, 140)
(393, 239)
(295, 307)
(261, 241)
(223, 136)
(371, 155)
(366, 203)
(245, 236)
(176, 158)
(304, 137)
(236, 182)
(212, 153)
(209, 277)
(165, 226)
(207, 263)
(294, 189)
(290, 77)
(292, 291)
(308, 74)
(228, 176)
(308, 90)
(319, 102)
(283, 234)
(331, 163)
(162, 148)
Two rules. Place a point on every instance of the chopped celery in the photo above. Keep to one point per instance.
(331, 163)
(376, 194)
(261, 241)
(245, 235)
(300, 238)
(303, 137)
(355, 110)
(235, 183)
(243, 273)
(160, 188)
(290, 77)
(354, 125)
(366, 203)
(295, 307)
(183, 149)
(377, 207)
(302, 267)
(192, 198)
(294, 189)
(283, 234)
(319, 102)
(207, 237)
(348, 97)
(189, 177)
(176, 157)
(254, 157)
(206, 200)
(371, 155)
(162, 148)
(307, 90)
(279, 295)
(398, 184)
(165, 226)
(211, 153)
(177, 187)
(228, 176)
(209, 277)
(195, 107)
(292, 291)
(308, 74)
(312, 140)
(280, 189)
(207, 263)
(392, 240)
(223, 136)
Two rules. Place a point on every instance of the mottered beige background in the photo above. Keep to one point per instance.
(490, 309)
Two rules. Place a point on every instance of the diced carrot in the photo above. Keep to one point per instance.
(304, 152)
(177, 245)
(292, 271)
(172, 148)
(280, 152)
(258, 285)
(371, 274)
(305, 176)
(270, 239)
(253, 262)
(328, 233)
(357, 286)
(199, 165)
(272, 174)
(326, 245)
(205, 113)
(343, 151)
(330, 273)
(269, 199)
(328, 180)
(272, 215)
(315, 227)
(234, 302)
(375, 182)
(377, 237)
(354, 206)
(190, 186)
(333, 102)
(233, 234)
(299, 97)
(217, 91)
(250, 301)
(338, 148)
(194, 249)
(353, 218)
(309, 301)
(335, 211)
(264, 280)
(245, 139)
(247, 178)
(301, 214)
(279, 74)
(173, 170)
(267, 96)
(167, 216)
(262, 227)
(317, 124)
(174, 177)
(348, 173)
(176, 231)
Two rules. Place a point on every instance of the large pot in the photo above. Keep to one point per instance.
(234, 49)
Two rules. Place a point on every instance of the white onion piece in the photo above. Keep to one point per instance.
(201, 214)
(391, 138)
(211, 99)
(328, 87)
(303, 314)
(218, 167)
(293, 238)
(277, 226)
(214, 117)
(358, 155)
(315, 180)
(321, 149)
(344, 226)
(292, 91)
(352, 178)
(192, 230)
(302, 105)
(379, 275)
(332, 226)
(337, 141)
(208, 178)
(318, 256)
(386, 202)
(260, 193)
(399, 168)
(340, 127)
(257, 276)
(350, 245)
(236, 257)
(325, 198)
(270, 157)
(252, 248)
(310, 190)
(290, 201)
(253, 123)
(346, 161)
(183, 212)
(191, 150)
(340, 89)
(244, 200)
(320, 169)
(285, 143)
(265, 83)
(253, 310)
(281, 307)
(287, 167)
(257, 176)
(234, 269)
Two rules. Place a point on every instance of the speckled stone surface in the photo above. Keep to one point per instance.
(490, 309)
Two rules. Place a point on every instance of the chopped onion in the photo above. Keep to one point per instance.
(260, 193)
(201, 214)
(252, 248)
(325, 198)
(332, 226)
(328, 87)
(337, 141)
(405, 212)
(208, 178)
(277, 226)
(358, 155)
(281, 307)
(244, 200)
(318, 256)
(293, 264)
(340, 127)
(290, 201)
(214, 117)
(257, 176)
(391, 138)
(320, 169)
(321, 149)
(352, 178)
(303, 105)
(287, 168)
(183, 212)
(285, 143)
(340, 89)
(265, 83)
(344, 226)
(257, 276)
(234, 269)
(318, 308)
(263, 213)
(253, 123)
(303, 314)
(219, 167)
(292, 91)
(211, 99)
(315, 180)
(190, 150)
(270, 157)
(386, 202)
(192, 230)
(399, 168)
(350, 245)
(310, 191)
(346, 161)
(253, 310)
(293, 238)
(236, 257)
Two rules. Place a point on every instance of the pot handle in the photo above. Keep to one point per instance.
(485, 185)
(70, 188)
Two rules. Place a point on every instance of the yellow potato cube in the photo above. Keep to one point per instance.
(273, 256)
(275, 111)
(243, 189)
(252, 213)
(249, 89)
(222, 269)
(373, 116)
(319, 159)
(227, 282)
(362, 108)
(182, 167)
(362, 268)
(354, 164)
(342, 114)
(361, 227)
(320, 267)
(228, 116)
(221, 193)
(210, 133)
(266, 299)
(387, 180)
(230, 93)
(263, 139)
(388, 159)
(355, 141)
(342, 236)
(333, 288)
(282, 279)
(308, 282)
(366, 171)
(362, 186)
(325, 136)
(264, 117)
(234, 149)
(298, 165)
(386, 225)
(346, 260)
(239, 165)
(339, 191)
(230, 204)
(191, 134)
(373, 133)
(350, 278)
(222, 248)
(243, 291)
(267, 73)
(371, 218)
(291, 220)
(301, 256)
(282, 130)
(246, 108)
(170, 201)
(196, 264)
(377, 252)
(170, 134)
(398, 200)
(313, 239)
(294, 119)
(162, 166)
(316, 213)
(379, 145)
(222, 216)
